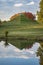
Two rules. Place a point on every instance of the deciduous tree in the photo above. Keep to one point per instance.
(40, 13)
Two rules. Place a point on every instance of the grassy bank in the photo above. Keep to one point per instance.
(22, 27)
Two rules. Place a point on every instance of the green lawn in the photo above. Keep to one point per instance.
(21, 26)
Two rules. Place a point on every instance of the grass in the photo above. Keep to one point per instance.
(22, 26)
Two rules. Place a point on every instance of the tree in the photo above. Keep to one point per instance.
(30, 15)
(40, 13)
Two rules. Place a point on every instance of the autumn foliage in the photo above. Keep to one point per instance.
(14, 16)
(27, 14)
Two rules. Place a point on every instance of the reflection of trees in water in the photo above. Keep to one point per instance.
(6, 38)
(40, 53)
(21, 43)
(41, 45)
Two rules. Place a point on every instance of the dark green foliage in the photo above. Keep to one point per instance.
(40, 13)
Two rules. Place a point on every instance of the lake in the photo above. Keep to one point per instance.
(13, 55)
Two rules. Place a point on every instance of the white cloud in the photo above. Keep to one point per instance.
(31, 3)
(18, 5)
(21, 4)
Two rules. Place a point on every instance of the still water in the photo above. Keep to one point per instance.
(11, 55)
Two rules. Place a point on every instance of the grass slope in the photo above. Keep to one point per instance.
(21, 26)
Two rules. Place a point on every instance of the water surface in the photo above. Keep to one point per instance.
(11, 55)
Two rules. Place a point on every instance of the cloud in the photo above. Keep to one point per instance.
(18, 5)
(21, 4)
(31, 3)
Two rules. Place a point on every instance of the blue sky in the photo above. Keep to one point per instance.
(10, 7)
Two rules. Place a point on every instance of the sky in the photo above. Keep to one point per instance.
(11, 7)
